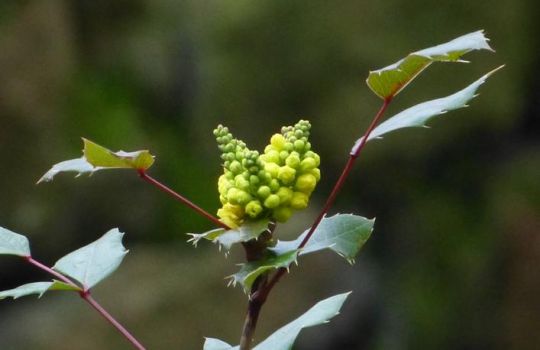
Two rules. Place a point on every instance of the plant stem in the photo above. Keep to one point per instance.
(85, 294)
(51, 271)
(88, 298)
(181, 198)
(252, 315)
(259, 296)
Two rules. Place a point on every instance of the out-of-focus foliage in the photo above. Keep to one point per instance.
(454, 261)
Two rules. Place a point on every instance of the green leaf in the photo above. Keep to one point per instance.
(92, 263)
(283, 338)
(101, 157)
(389, 81)
(38, 288)
(216, 344)
(345, 234)
(12, 243)
(227, 238)
(418, 115)
(96, 158)
(250, 271)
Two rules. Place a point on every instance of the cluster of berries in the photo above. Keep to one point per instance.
(273, 184)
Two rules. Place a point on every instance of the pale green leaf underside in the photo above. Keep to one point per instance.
(418, 115)
(12, 243)
(96, 157)
(38, 288)
(250, 271)
(92, 263)
(283, 338)
(345, 234)
(227, 238)
(389, 81)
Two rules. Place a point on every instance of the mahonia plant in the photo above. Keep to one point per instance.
(256, 191)
(271, 185)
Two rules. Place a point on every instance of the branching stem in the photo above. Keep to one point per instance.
(181, 198)
(85, 294)
(259, 295)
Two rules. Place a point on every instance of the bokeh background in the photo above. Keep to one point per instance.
(454, 259)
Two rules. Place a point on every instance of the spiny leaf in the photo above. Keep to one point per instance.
(389, 81)
(226, 238)
(284, 338)
(97, 157)
(12, 243)
(216, 344)
(100, 156)
(418, 115)
(38, 288)
(92, 263)
(250, 271)
(345, 234)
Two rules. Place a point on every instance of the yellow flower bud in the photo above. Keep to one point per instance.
(286, 174)
(253, 209)
(299, 200)
(282, 214)
(293, 160)
(306, 183)
(285, 194)
(307, 164)
(272, 201)
(264, 191)
(277, 141)
(272, 169)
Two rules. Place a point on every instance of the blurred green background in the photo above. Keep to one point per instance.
(454, 259)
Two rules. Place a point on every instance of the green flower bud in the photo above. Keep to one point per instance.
(271, 156)
(254, 208)
(308, 164)
(235, 167)
(299, 145)
(241, 182)
(288, 146)
(274, 185)
(272, 169)
(285, 195)
(286, 174)
(254, 180)
(293, 160)
(316, 172)
(277, 141)
(306, 183)
(272, 201)
(263, 192)
(299, 200)
(282, 156)
(282, 214)
(265, 176)
(315, 156)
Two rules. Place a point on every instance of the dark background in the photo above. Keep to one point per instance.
(453, 262)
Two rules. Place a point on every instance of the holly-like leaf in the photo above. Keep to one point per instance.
(92, 263)
(389, 81)
(250, 271)
(345, 234)
(227, 238)
(283, 338)
(216, 344)
(96, 157)
(101, 157)
(12, 243)
(38, 288)
(418, 115)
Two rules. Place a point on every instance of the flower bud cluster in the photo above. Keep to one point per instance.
(273, 184)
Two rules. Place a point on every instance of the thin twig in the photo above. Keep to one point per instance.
(85, 294)
(181, 198)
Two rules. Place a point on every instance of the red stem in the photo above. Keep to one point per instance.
(88, 298)
(85, 294)
(181, 198)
